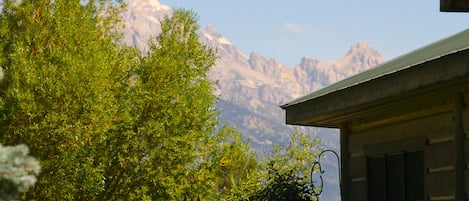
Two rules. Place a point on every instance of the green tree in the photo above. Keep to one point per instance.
(109, 123)
(286, 174)
(233, 165)
(172, 109)
(105, 122)
(284, 187)
(62, 68)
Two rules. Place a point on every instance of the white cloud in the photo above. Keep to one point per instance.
(296, 28)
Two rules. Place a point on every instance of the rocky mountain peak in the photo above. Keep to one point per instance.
(359, 57)
(229, 55)
(360, 46)
(210, 31)
(363, 56)
(211, 36)
(142, 21)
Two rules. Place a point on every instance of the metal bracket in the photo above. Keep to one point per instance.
(317, 164)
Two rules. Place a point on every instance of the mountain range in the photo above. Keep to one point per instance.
(251, 87)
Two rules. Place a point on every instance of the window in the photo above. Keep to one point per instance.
(396, 177)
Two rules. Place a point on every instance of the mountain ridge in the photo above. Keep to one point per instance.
(253, 83)
(265, 83)
(252, 87)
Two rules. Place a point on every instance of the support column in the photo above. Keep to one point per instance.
(458, 144)
(344, 157)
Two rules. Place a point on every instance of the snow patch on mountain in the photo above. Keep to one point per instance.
(224, 41)
(152, 5)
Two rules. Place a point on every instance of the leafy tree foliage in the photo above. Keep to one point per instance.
(285, 187)
(106, 122)
(109, 123)
(297, 157)
(61, 70)
(169, 112)
(287, 172)
(234, 165)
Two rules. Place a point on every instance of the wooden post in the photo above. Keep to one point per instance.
(458, 144)
(344, 157)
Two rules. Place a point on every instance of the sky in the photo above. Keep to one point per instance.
(325, 30)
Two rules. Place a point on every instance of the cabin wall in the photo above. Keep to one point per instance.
(405, 136)
(432, 133)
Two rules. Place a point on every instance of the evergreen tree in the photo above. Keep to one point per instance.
(18, 171)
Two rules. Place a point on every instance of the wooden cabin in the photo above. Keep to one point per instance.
(404, 125)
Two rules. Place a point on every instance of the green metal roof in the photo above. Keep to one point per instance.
(447, 46)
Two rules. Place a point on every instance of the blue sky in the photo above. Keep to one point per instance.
(289, 30)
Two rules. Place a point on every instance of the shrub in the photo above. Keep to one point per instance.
(18, 171)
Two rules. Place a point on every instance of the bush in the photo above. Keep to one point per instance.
(286, 186)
